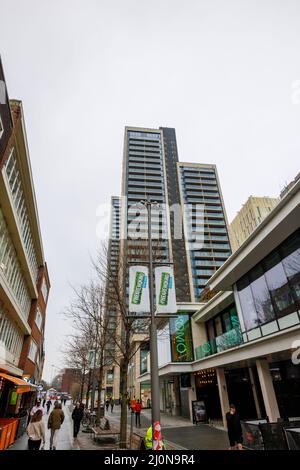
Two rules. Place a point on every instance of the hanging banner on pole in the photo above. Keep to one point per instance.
(165, 290)
(139, 301)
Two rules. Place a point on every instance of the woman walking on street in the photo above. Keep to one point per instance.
(55, 421)
(48, 404)
(77, 416)
(36, 431)
(138, 409)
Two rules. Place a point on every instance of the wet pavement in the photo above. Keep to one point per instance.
(179, 431)
(65, 438)
(175, 430)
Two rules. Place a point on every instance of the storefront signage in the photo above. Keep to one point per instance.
(138, 290)
(13, 398)
(181, 339)
(165, 290)
(199, 412)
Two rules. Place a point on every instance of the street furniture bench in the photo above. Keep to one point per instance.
(105, 430)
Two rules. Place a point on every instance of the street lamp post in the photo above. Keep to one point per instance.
(155, 406)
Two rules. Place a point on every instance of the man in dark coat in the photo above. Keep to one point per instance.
(234, 429)
(77, 416)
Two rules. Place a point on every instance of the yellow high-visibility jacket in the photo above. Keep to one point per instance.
(148, 439)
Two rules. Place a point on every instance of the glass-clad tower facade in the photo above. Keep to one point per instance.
(144, 178)
(113, 263)
(206, 232)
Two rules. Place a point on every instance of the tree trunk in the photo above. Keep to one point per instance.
(82, 385)
(123, 423)
(98, 417)
(88, 389)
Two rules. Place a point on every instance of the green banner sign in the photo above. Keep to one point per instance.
(164, 289)
(138, 287)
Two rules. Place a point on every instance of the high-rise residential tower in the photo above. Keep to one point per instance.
(205, 222)
(151, 170)
(112, 376)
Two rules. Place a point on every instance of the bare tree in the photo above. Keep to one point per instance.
(75, 352)
(89, 319)
(115, 280)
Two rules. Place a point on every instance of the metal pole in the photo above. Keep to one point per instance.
(93, 382)
(155, 406)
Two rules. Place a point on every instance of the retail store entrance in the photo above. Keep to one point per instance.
(240, 392)
(207, 390)
(286, 381)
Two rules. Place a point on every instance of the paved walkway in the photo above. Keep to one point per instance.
(166, 419)
(179, 430)
(65, 438)
(200, 437)
(175, 429)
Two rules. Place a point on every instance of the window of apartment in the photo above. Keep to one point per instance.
(32, 351)
(39, 318)
(1, 127)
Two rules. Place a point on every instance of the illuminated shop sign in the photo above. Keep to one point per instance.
(181, 339)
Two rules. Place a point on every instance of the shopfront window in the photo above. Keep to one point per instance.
(144, 351)
(290, 251)
(278, 285)
(247, 304)
(271, 290)
(262, 299)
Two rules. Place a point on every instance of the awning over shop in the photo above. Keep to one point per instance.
(22, 385)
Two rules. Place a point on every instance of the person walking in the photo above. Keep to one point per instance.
(44, 402)
(48, 404)
(55, 421)
(107, 404)
(36, 431)
(77, 416)
(234, 429)
(138, 409)
(36, 407)
(132, 404)
(112, 404)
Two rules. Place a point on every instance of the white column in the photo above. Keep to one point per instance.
(267, 389)
(223, 394)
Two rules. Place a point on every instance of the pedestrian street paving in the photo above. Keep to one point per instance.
(65, 437)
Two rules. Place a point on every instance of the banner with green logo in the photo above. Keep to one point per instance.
(165, 290)
(139, 301)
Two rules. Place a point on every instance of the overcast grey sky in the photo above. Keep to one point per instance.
(223, 73)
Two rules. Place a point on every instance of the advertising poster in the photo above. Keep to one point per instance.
(199, 412)
(165, 290)
(139, 301)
